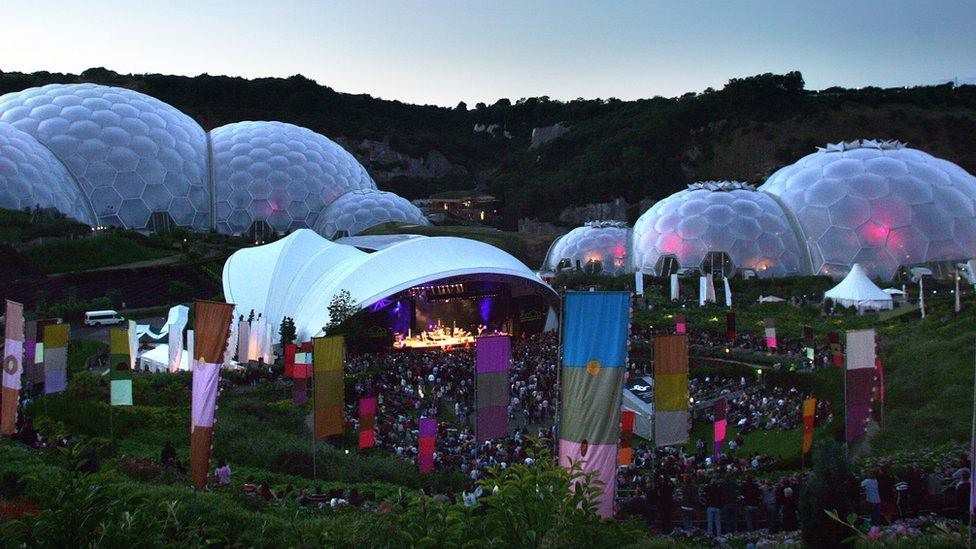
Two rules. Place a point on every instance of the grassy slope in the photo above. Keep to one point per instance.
(89, 253)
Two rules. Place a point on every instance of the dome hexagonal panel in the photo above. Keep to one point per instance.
(880, 204)
(602, 243)
(31, 176)
(718, 217)
(116, 138)
(279, 173)
(356, 211)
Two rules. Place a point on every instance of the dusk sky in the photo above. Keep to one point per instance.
(442, 52)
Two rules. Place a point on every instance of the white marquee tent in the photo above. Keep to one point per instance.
(857, 290)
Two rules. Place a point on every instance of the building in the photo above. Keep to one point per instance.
(471, 205)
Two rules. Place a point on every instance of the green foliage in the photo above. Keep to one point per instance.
(827, 491)
(180, 291)
(89, 253)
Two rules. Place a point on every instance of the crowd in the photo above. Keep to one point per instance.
(753, 406)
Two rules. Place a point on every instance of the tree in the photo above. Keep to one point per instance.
(287, 330)
(341, 307)
(180, 291)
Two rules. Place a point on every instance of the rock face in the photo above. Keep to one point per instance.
(615, 210)
(533, 225)
(384, 163)
(541, 136)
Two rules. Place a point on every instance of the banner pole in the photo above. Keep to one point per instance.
(972, 454)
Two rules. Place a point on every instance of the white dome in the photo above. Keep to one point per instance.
(131, 154)
(356, 211)
(605, 242)
(878, 204)
(725, 216)
(279, 173)
(30, 176)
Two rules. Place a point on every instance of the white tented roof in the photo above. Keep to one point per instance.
(857, 290)
(298, 275)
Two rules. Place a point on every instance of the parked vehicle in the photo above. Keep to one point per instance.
(103, 318)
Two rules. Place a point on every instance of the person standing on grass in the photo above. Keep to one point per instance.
(873, 497)
(713, 509)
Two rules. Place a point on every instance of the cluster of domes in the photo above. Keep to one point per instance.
(599, 247)
(876, 203)
(113, 156)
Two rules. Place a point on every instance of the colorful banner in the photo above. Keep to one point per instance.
(328, 358)
(836, 349)
(720, 409)
(120, 368)
(367, 422)
(626, 454)
(494, 358)
(212, 331)
(56, 358)
(427, 435)
(671, 417)
(730, 326)
(770, 333)
(595, 332)
(809, 417)
(13, 366)
(303, 362)
(879, 369)
(290, 350)
(680, 324)
(299, 391)
(33, 373)
(859, 379)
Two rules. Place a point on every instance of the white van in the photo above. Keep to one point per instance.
(103, 318)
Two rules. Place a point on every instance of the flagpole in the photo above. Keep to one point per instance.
(972, 454)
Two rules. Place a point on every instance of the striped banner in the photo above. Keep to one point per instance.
(836, 349)
(427, 436)
(720, 409)
(680, 324)
(56, 358)
(595, 331)
(33, 373)
(770, 333)
(120, 367)
(328, 358)
(809, 417)
(13, 366)
(211, 333)
(730, 326)
(494, 358)
(626, 454)
(302, 368)
(671, 417)
(859, 379)
(367, 422)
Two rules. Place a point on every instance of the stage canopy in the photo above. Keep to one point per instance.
(298, 275)
(857, 290)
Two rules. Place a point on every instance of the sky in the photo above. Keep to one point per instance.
(442, 52)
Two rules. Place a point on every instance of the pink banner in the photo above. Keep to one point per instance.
(205, 380)
(425, 448)
(600, 459)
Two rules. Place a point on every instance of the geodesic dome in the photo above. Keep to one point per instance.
(132, 154)
(879, 204)
(31, 176)
(720, 217)
(356, 211)
(279, 173)
(599, 245)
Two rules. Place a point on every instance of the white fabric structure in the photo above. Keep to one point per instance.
(298, 275)
(131, 154)
(279, 173)
(175, 348)
(157, 359)
(728, 292)
(178, 316)
(359, 210)
(857, 290)
(770, 299)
